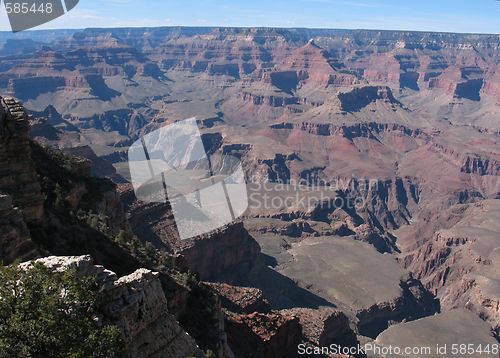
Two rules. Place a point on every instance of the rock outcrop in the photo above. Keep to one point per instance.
(415, 302)
(481, 166)
(18, 176)
(51, 199)
(309, 64)
(263, 335)
(275, 100)
(137, 305)
(15, 240)
(240, 299)
(370, 130)
(324, 326)
(359, 98)
(492, 85)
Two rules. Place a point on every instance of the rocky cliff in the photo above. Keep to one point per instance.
(18, 176)
(226, 254)
(20, 192)
(137, 304)
(15, 237)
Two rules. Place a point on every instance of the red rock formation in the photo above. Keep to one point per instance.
(240, 299)
(458, 264)
(359, 98)
(481, 164)
(492, 84)
(361, 130)
(382, 68)
(308, 64)
(270, 100)
(271, 335)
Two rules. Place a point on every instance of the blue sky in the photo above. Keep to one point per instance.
(481, 16)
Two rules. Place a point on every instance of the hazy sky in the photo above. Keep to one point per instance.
(432, 15)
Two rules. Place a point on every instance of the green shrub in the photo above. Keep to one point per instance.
(210, 354)
(59, 197)
(51, 314)
(121, 238)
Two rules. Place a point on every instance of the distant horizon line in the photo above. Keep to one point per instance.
(212, 27)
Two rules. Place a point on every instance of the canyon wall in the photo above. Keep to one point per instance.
(224, 255)
(18, 176)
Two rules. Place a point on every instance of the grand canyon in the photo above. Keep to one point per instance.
(372, 161)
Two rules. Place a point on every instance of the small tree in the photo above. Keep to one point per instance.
(51, 314)
(121, 238)
(150, 251)
(59, 197)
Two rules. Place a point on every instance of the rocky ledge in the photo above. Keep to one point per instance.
(137, 305)
(240, 299)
